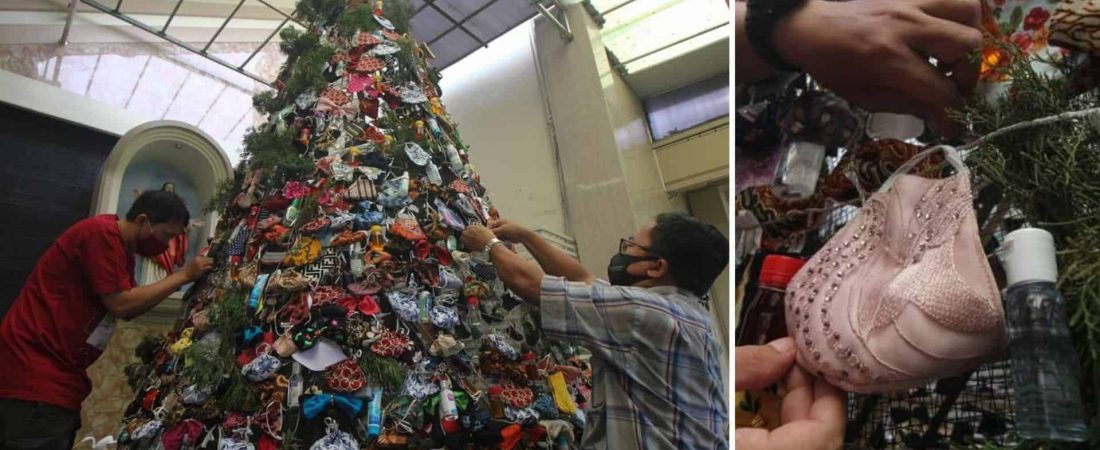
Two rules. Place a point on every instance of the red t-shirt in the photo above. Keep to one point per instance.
(58, 325)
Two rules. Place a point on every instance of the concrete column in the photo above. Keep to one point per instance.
(610, 178)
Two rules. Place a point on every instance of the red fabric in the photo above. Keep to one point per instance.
(44, 337)
(267, 443)
(510, 436)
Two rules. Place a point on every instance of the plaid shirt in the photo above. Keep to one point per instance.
(656, 379)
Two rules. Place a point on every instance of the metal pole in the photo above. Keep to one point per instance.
(171, 16)
(564, 18)
(261, 47)
(566, 33)
(123, 17)
(663, 47)
(68, 23)
(288, 16)
(219, 32)
(118, 5)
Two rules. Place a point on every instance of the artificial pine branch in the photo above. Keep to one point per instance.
(290, 440)
(383, 372)
(209, 362)
(240, 394)
(229, 314)
(358, 19)
(274, 152)
(223, 194)
(399, 13)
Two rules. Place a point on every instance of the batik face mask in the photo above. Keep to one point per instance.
(903, 294)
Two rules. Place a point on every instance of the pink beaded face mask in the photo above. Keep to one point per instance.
(903, 294)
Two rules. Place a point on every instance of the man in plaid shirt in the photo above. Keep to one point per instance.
(656, 377)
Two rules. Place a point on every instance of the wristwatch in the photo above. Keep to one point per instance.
(760, 19)
(490, 244)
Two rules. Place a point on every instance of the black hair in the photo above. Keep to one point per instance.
(695, 250)
(160, 207)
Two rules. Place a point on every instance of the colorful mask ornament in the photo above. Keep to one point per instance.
(412, 93)
(395, 191)
(385, 48)
(417, 154)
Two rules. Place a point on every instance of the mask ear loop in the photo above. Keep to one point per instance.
(264, 348)
(209, 434)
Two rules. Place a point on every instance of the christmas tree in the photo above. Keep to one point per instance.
(342, 310)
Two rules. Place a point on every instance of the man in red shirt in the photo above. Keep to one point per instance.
(64, 316)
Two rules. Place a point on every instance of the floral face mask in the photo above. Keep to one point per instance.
(263, 367)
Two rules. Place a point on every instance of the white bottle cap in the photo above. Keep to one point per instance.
(1028, 255)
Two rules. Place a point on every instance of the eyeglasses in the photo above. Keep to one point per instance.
(627, 243)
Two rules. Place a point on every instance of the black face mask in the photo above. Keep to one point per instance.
(616, 269)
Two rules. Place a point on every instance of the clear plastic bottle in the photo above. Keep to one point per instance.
(294, 390)
(448, 408)
(799, 169)
(473, 317)
(1044, 365)
(424, 302)
(374, 413)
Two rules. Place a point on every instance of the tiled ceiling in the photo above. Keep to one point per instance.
(456, 28)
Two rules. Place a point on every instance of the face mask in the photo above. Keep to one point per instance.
(616, 269)
(149, 246)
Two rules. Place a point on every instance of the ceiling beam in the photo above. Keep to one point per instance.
(473, 36)
(125, 18)
(463, 21)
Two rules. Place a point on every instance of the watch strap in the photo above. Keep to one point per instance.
(490, 244)
(760, 19)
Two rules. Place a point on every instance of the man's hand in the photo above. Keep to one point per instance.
(508, 231)
(197, 267)
(813, 414)
(475, 237)
(874, 53)
(760, 366)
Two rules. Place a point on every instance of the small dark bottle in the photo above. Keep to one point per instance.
(765, 320)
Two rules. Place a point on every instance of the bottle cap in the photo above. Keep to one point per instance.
(778, 270)
(1028, 255)
(496, 390)
(529, 356)
(471, 300)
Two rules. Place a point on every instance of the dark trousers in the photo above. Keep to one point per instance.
(36, 426)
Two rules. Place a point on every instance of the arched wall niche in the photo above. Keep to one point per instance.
(145, 158)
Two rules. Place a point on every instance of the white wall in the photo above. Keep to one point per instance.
(495, 98)
(643, 179)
